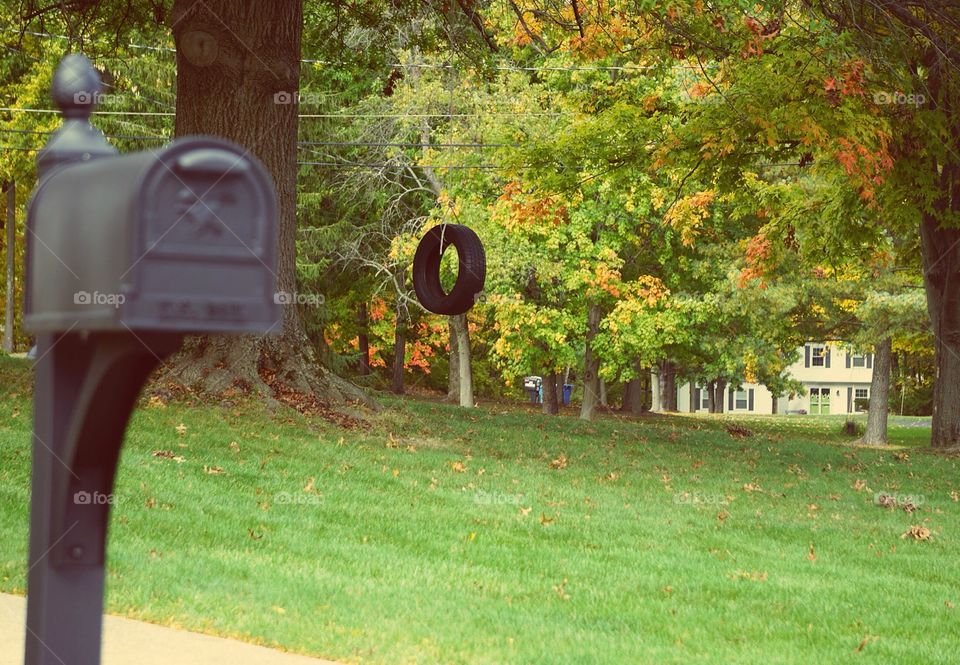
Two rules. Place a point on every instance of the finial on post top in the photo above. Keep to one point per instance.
(75, 91)
(76, 86)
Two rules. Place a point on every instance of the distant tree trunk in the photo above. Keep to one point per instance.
(453, 371)
(633, 394)
(233, 57)
(719, 388)
(773, 409)
(363, 340)
(693, 397)
(551, 401)
(668, 386)
(465, 381)
(591, 365)
(876, 434)
(941, 264)
(712, 396)
(399, 355)
(603, 393)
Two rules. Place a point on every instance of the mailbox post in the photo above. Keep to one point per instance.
(126, 254)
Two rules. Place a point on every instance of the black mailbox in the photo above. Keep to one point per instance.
(125, 255)
(178, 239)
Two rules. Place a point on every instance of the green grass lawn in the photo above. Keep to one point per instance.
(499, 535)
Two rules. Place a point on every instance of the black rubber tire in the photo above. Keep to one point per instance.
(471, 274)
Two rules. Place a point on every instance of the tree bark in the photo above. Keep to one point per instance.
(399, 355)
(465, 377)
(876, 434)
(363, 340)
(603, 393)
(668, 386)
(551, 400)
(941, 271)
(719, 388)
(591, 365)
(693, 397)
(633, 394)
(233, 57)
(712, 396)
(453, 369)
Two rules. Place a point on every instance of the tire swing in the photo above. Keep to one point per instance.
(470, 276)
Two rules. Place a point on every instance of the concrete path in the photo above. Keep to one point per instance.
(126, 641)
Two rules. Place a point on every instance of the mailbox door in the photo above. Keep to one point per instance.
(204, 248)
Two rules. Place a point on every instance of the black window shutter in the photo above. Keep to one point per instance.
(730, 401)
(750, 399)
(806, 356)
(848, 354)
(869, 361)
(849, 399)
(826, 357)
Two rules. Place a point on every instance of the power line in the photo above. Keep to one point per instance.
(327, 115)
(402, 65)
(349, 144)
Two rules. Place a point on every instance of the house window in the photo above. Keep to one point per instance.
(704, 398)
(859, 360)
(817, 356)
(861, 393)
(740, 399)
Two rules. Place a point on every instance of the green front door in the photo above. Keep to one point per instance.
(820, 401)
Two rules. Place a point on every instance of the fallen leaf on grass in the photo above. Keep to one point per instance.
(234, 446)
(865, 641)
(751, 487)
(181, 429)
(544, 520)
(861, 485)
(458, 466)
(168, 454)
(949, 605)
(213, 470)
(559, 463)
(738, 431)
(156, 402)
(525, 511)
(917, 533)
(812, 555)
(756, 576)
(561, 590)
(722, 516)
(955, 495)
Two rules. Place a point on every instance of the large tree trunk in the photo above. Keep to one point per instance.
(465, 379)
(399, 355)
(453, 368)
(941, 270)
(693, 397)
(591, 365)
(876, 434)
(551, 400)
(232, 59)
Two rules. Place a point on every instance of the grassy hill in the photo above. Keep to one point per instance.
(500, 535)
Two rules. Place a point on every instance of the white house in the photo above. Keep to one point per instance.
(833, 376)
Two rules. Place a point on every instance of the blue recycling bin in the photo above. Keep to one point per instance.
(567, 392)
